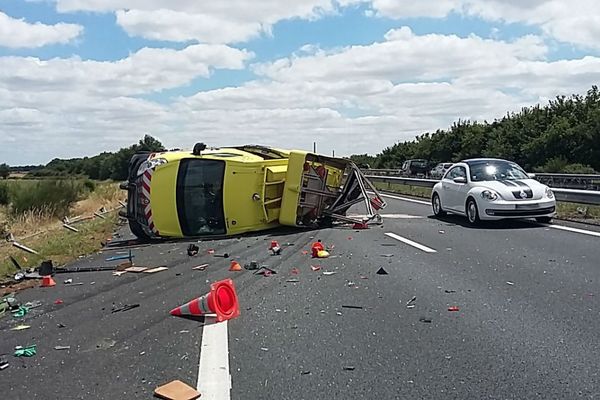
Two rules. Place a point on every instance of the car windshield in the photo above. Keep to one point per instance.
(200, 197)
(495, 171)
(419, 163)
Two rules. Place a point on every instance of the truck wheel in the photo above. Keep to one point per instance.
(137, 230)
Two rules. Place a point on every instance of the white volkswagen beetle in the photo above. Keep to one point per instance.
(492, 189)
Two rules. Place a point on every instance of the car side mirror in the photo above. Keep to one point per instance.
(531, 176)
(460, 179)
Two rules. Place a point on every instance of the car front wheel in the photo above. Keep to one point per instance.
(436, 204)
(472, 212)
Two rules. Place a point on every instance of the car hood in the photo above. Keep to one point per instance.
(522, 189)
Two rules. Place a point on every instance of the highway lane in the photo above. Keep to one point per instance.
(534, 338)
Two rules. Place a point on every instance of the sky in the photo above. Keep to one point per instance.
(78, 77)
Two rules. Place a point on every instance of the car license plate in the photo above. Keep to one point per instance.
(527, 206)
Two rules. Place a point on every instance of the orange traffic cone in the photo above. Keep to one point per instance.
(235, 266)
(221, 300)
(47, 281)
(274, 247)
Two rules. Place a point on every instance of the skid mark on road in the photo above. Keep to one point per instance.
(411, 243)
(214, 380)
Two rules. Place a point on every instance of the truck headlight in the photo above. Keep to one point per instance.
(549, 193)
(489, 195)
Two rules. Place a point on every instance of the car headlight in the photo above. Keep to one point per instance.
(489, 195)
(549, 193)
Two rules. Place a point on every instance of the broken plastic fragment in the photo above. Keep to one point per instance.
(425, 320)
(315, 267)
(453, 308)
(329, 272)
(381, 271)
(28, 351)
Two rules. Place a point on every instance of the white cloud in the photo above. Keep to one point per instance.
(17, 33)
(208, 22)
(574, 21)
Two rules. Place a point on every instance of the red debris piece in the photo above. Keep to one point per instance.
(58, 301)
(315, 267)
(211, 251)
(295, 271)
(453, 308)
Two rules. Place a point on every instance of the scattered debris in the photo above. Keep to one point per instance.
(135, 269)
(71, 228)
(327, 273)
(389, 244)
(20, 328)
(210, 251)
(192, 250)
(200, 267)
(316, 248)
(510, 283)
(15, 263)
(425, 320)
(126, 307)
(295, 271)
(264, 348)
(381, 271)
(123, 257)
(155, 270)
(441, 232)
(410, 306)
(275, 247)
(387, 255)
(24, 248)
(411, 301)
(68, 281)
(364, 277)
(293, 280)
(62, 347)
(224, 255)
(349, 368)
(360, 225)
(252, 266)
(176, 390)
(315, 267)
(304, 372)
(20, 312)
(3, 365)
(354, 307)
(266, 271)
(119, 273)
(453, 308)
(58, 301)
(28, 351)
(450, 291)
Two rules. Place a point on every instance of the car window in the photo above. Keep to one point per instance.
(456, 172)
(200, 197)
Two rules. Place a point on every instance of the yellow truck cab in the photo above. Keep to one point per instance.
(232, 190)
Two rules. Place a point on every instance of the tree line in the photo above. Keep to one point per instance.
(562, 136)
(103, 166)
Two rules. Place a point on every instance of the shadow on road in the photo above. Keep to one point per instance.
(505, 224)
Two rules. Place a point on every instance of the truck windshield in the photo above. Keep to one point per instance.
(200, 197)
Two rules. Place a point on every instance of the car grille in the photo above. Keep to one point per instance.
(520, 213)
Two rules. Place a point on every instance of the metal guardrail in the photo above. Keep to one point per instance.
(591, 197)
(562, 181)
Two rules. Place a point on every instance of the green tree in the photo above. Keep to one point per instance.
(4, 171)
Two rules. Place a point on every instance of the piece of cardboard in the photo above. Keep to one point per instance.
(136, 269)
(176, 390)
(154, 270)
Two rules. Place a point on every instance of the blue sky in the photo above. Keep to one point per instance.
(84, 76)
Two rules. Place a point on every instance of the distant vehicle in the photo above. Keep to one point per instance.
(492, 189)
(439, 170)
(417, 167)
(229, 191)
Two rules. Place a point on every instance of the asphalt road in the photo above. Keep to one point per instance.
(527, 324)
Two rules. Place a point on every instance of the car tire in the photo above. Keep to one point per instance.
(436, 205)
(137, 230)
(544, 220)
(472, 212)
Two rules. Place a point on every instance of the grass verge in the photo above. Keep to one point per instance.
(568, 211)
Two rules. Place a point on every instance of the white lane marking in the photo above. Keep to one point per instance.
(576, 230)
(411, 243)
(390, 216)
(406, 199)
(214, 381)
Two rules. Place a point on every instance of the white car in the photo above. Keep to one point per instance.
(492, 189)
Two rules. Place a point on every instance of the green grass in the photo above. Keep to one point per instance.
(579, 212)
(60, 246)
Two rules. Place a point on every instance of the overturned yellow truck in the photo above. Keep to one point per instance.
(211, 192)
